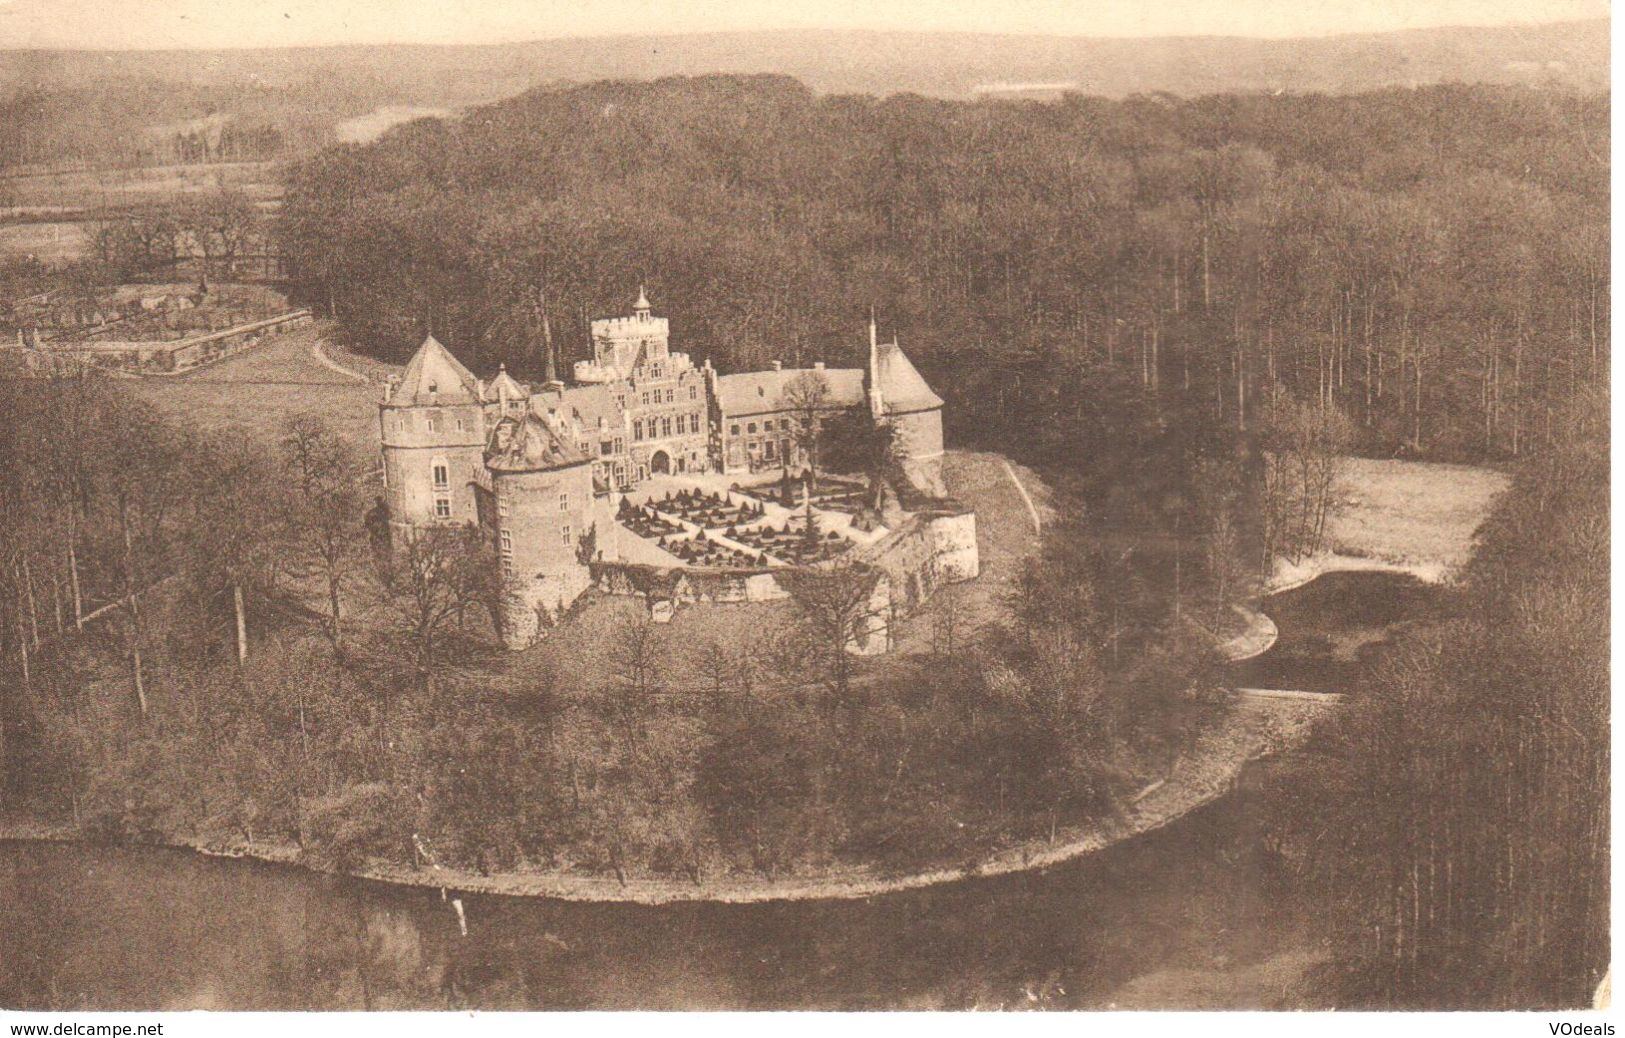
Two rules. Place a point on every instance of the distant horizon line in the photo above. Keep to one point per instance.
(806, 30)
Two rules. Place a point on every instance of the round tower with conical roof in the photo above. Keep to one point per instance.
(545, 521)
(432, 429)
(901, 400)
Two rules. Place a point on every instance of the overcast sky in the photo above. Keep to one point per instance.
(102, 24)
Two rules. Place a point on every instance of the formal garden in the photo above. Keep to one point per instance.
(731, 529)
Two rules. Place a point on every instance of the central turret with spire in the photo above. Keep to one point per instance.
(622, 345)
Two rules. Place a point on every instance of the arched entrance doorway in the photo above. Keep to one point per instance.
(660, 464)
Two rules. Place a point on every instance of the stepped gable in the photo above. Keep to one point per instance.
(528, 444)
(898, 382)
(434, 376)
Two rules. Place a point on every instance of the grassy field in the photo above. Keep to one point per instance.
(257, 391)
(49, 207)
(1414, 513)
(50, 242)
(92, 189)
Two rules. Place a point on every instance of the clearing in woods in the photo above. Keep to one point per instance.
(1413, 512)
(257, 391)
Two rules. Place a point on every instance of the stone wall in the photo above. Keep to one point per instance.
(172, 357)
(931, 549)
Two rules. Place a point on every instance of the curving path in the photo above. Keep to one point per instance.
(1026, 498)
(327, 362)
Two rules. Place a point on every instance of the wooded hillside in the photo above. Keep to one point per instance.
(1433, 262)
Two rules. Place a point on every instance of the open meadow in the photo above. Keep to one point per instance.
(257, 391)
(114, 188)
(1412, 512)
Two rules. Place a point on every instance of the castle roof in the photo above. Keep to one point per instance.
(434, 376)
(528, 444)
(759, 392)
(901, 387)
(504, 385)
(584, 405)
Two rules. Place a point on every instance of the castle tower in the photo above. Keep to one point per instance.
(621, 345)
(432, 429)
(900, 398)
(545, 515)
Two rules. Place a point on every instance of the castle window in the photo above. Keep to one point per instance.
(606, 448)
(665, 426)
(564, 536)
(434, 387)
(637, 429)
(670, 395)
(434, 424)
(502, 506)
(564, 502)
(507, 542)
(462, 426)
(751, 427)
(771, 454)
(620, 445)
(733, 430)
(693, 392)
(442, 475)
(645, 399)
(442, 508)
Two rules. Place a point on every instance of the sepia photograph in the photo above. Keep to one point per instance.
(650, 505)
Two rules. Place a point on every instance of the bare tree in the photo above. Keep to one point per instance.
(434, 576)
(1305, 446)
(836, 602)
(807, 399)
(322, 520)
(636, 665)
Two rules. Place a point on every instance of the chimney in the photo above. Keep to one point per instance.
(778, 365)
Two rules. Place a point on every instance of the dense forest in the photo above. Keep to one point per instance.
(1432, 262)
(1458, 824)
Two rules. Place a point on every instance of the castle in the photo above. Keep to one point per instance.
(546, 469)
